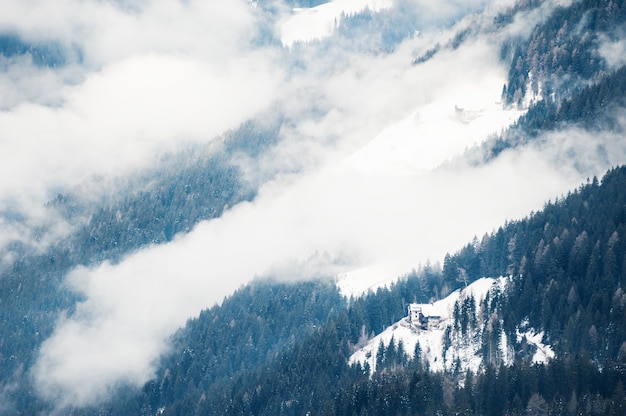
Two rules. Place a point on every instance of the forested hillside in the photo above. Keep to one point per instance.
(568, 269)
(569, 265)
(564, 73)
(283, 342)
(595, 107)
(196, 185)
(562, 54)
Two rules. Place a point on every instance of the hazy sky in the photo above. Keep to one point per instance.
(146, 77)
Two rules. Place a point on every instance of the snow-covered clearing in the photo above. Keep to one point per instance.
(308, 24)
(463, 351)
(543, 352)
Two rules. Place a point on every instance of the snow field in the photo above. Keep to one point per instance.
(309, 24)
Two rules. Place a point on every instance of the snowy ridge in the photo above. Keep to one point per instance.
(451, 344)
(308, 24)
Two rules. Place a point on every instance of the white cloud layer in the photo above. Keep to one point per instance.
(140, 106)
(151, 76)
(119, 332)
(368, 134)
(614, 51)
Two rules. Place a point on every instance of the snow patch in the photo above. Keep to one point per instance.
(543, 352)
(506, 350)
(416, 144)
(463, 351)
(356, 283)
(464, 114)
(533, 95)
(309, 24)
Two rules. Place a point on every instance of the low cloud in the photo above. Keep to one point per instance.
(342, 209)
(525, 22)
(135, 108)
(141, 79)
(614, 51)
(110, 31)
(360, 178)
(355, 220)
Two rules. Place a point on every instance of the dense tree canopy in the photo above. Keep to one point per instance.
(277, 347)
(567, 281)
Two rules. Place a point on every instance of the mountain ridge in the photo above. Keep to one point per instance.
(283, 346)
(507, 327)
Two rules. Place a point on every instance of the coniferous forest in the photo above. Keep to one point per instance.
(282, 345)
(566, 279)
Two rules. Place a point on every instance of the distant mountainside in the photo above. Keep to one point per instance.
(277, 346)
(568, 73)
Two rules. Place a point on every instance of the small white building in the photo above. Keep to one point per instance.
(414, 312)
(418, 318)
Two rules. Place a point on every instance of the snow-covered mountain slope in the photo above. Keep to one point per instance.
(459, 332)
(308, 24)
(355, 181)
